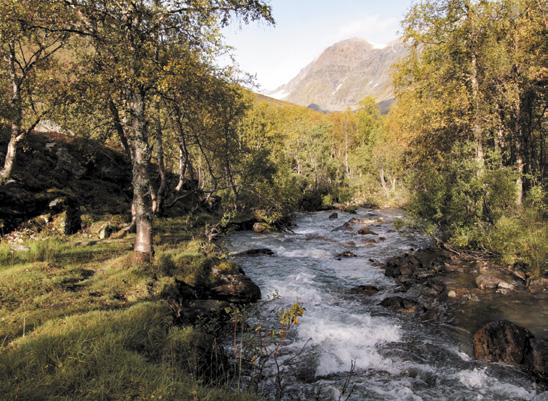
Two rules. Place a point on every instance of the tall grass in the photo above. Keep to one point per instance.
(36, 251)
(132, 354)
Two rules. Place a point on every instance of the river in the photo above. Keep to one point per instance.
(396, 357)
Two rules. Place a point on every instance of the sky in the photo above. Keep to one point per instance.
(304, 28)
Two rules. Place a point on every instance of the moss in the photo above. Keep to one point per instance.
(191, 262)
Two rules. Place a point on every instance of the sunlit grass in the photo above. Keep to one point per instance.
(131, 354)
(79, 320)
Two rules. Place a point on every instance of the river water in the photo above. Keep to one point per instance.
(395, 357)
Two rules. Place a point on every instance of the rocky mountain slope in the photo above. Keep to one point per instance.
(343, 75)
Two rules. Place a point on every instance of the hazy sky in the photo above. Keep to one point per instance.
(304, 28)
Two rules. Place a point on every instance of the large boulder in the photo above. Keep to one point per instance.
(229, 283)
(504, 341)
(236, 288)
(53, 167)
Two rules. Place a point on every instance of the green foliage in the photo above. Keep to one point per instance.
(467, 97)
(522, 238)
(473, 208)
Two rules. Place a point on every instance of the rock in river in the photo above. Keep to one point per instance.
(345, 254)
(367, 290)
(260, 228)
(256, 252)
(404, 305)
(504, 341)
(490, 281)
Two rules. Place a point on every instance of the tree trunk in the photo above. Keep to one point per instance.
(185, 165)
(157, 203)
(383, 182)
(476, 123)
(141, 181)
(17, 133)
(9, 160)
(519, 163)
(346, 164)
(119, 127)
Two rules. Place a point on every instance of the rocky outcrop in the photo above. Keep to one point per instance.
(432, 280)
(417, 274)
(504, 341)
(58, 177)
(333, 216)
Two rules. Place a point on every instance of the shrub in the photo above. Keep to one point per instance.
(522, 238)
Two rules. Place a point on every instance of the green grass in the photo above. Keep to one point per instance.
(81, 321)
(132, 354)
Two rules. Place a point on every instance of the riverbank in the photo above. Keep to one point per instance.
(468, 291)
(361, 325)
(81, 321)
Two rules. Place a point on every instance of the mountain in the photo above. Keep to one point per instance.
(344, 74)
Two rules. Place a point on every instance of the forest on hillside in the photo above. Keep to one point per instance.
(466, 133)
(135, 84)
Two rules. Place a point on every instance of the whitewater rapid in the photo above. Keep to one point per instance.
(396, 357)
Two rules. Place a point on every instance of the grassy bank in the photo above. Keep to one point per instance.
(80, 321)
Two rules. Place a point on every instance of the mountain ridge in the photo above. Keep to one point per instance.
(343, 74)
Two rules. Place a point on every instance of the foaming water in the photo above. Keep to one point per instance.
(394, 357)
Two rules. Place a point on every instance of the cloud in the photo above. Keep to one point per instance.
(378, 30)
